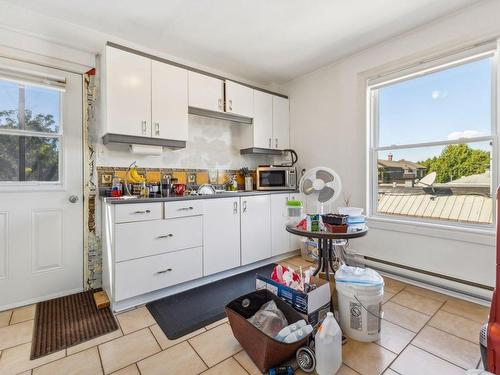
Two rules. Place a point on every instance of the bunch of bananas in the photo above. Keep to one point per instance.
(134, 176)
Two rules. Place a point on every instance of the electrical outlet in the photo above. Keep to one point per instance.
(106, 178)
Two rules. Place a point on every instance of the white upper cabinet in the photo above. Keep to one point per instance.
(281, 123)
(255, 228)
(239, 99)
(169, 101)
(262, 120)
(128, 93)
(206, 92)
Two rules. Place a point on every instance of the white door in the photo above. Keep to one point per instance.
(281, 123)
(128, 93)
(280, 238)
(206, 92)
(41, 198)
(263, 120)
(169, 97)
(221, 235)
(239, 99)
(255, 228)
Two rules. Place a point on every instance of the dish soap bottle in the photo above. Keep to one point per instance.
(328, 346)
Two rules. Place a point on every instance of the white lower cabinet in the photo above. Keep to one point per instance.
(255, 228)
(221, 235)
(280, 238)
(139, 276)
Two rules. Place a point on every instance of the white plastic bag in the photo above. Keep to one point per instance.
(269, 319)
(357, 275)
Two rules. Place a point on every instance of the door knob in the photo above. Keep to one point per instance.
(73, 198)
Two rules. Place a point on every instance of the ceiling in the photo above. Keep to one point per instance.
(260, 40)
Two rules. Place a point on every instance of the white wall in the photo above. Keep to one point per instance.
(328, 128)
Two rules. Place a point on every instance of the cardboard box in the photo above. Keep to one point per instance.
(313, 306)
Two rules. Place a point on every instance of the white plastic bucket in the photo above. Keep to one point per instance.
(360, 310)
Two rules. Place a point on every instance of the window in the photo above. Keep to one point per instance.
(433, 139)
(30, 132)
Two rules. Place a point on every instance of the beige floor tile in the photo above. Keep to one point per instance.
(404, 317)
(97, 341)
(29, 372)
(451, 348)
(135, 320)
(246, 362)
(130, 370)
(393, 337)
(228, 367)
(467, 310)
(215, 324)
(23, 314)
(456, 325)
(165, 342)
(366, 358)
(5, 318)
(427, 293)
(422, 304)
(344, 370)
(86, 362)
(390, 372)
(392, 285)
(387, 296)
(216, 345)
(17, 359)
(414, 361)
(128, 349)
(16, 334)
(179, 360)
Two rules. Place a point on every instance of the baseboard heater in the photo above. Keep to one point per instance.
(380, 267)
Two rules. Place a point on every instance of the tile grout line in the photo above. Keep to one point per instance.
(236, 359)
(100, 358)
(199, 356)
(452, 334)
(152, 333)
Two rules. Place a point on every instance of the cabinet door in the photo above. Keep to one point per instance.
(221, 235)
(262, 120)
(239, 99)
(281, 123)
(255, 228)
(280, 238)
(295, 241)
(128, 93)
(169, 101)
(206, 92)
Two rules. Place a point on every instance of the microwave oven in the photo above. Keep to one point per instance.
(276, 178)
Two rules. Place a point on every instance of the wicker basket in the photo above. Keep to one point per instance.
(265, 351)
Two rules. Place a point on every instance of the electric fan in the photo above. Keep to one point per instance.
(320, 186)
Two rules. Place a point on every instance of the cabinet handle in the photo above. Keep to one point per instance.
(166, 236)
(220, 104)
(244, 206)
(164, 271)
(269, 142)
(230, 105)
(144, 126)
(276, 142)
(157, 128)
(235, 207)
(185, 208)
(142, 212)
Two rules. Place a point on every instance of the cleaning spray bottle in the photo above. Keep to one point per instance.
(328, 346)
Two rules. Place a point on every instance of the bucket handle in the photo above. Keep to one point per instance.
(381, 316)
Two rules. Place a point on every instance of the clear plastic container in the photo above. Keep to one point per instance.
(294, 212)
(328, 346)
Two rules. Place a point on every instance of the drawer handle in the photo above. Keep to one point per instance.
(185, 208)
(142, 212)
(166, 236)
(164, 271)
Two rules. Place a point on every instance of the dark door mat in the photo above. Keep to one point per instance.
(67, 321)
(185, 312)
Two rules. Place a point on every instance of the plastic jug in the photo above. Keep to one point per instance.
(299, 334)
(289, 329)
(328, 346)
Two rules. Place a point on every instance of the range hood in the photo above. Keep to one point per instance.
(220, 115)
(260, 151)
(137, 140)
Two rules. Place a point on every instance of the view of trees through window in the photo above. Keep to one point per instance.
(434, 151)
(29, 133)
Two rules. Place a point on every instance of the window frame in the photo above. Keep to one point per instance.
(408, 72)
(59, 135)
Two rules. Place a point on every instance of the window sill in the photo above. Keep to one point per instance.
(483, 235)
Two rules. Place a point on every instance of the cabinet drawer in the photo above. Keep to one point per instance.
(136, 240)
(137, 212)
(139, 276)
(183, 208)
